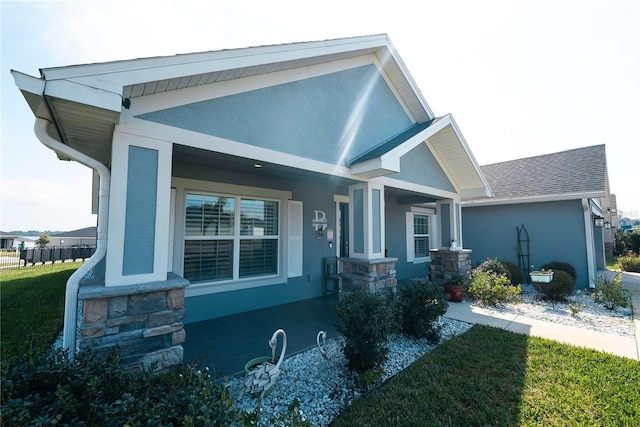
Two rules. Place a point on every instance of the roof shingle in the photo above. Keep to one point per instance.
(581, 170)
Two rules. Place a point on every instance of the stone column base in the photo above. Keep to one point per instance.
(375, 275)
(446, 263)
(144, 321)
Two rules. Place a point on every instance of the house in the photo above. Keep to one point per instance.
(561, 200)
(226, 177)
(81, 237)
(12, 242)
(8, 241)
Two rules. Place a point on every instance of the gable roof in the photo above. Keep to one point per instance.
(446, 143)
(572, 174)
(89, 232)
(86, 100)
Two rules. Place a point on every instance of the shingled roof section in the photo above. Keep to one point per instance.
(582, 170)
(393, 142)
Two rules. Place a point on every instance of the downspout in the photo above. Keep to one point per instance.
(588, 231)
(73, 284)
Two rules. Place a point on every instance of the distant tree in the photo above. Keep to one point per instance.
(634, 241)
(43, 241)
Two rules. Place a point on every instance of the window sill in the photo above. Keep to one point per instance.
(206, 288)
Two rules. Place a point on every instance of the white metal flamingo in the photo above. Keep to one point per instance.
(263, 377)
(329, 350)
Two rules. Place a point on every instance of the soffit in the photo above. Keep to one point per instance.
(87, 122)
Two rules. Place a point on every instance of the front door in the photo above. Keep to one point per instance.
(343, 224)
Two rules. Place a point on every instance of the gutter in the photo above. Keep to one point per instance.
(73, 284)
(588, 230)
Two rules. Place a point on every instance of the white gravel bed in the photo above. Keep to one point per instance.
(325, 388)
(590, 315)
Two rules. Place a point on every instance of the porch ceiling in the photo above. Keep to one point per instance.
(245, 165)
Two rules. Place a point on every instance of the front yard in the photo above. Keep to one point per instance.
(485, 376)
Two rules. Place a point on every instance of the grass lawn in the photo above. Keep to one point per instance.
(32, 307)
(612, 264)
(490, 377)
(485, 377)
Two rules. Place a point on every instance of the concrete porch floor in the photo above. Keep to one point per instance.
(225, 344)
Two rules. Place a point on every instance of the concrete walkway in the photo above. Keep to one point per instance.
(621, 346)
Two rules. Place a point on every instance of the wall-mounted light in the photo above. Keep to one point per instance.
(598, 222)
(607, 224)
(257, 165)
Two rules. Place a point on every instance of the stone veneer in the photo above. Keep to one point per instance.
(373, 275)
(144, 321)
(446, 263)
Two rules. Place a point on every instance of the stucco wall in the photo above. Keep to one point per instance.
(556, 233)
(330, 118)
(314, 197)
(396, 241)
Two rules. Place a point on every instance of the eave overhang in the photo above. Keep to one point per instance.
(545, 198)
(448, 146)
(84, 102)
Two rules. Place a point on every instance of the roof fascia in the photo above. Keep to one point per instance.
(135, 71)
(32, 89)
(533, 199)
(472, 159)
(405, 71)
(480, 192)
(417, 139)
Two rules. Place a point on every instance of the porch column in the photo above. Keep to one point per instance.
(140, 305)
(366, 221)
(367, 269)
(449, 214)
(139, 210)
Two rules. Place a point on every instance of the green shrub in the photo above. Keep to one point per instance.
(421, 304)
(630, 263)
(491, 289)
(495, 266)
(564, 266)
(558, 289)
(40, 390)
(367, 320)
(516, 274)
(610, 292)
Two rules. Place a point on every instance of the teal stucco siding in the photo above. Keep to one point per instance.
(556, 233)
(328, 118)
(140, 219)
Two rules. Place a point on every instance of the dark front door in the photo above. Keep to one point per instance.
(344, 229)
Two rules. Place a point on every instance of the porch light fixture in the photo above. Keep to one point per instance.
(598, 222)
(257, 165)
(607, 224)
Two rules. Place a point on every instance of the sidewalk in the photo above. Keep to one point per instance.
(621, 346)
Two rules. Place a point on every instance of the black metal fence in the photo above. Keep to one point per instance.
(34, 257)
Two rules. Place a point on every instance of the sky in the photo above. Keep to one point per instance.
(521, 78)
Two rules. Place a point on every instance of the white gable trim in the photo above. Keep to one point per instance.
(130, 72)
(234, 148)
(176, 98)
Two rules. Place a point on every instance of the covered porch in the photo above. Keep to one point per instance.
(226, 343)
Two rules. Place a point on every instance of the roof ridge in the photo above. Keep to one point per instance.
(537, 156)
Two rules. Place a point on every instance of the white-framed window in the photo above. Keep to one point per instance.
(230, 237)
(419, 235)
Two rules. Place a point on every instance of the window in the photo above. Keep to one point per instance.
(230, 237)
(418, 234)
(421, 235)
